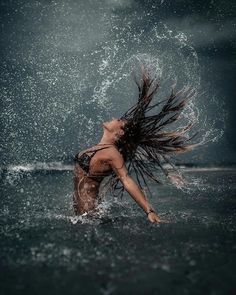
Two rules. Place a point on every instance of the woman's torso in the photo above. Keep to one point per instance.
(91, 166)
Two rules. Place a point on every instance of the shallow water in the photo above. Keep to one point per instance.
(44, 249)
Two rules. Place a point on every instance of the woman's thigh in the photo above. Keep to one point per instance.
(85, 195)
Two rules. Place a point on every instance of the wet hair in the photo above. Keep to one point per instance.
(147, 143)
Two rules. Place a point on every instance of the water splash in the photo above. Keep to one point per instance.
(71, 83)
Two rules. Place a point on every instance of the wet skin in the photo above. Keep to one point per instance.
(86, 189)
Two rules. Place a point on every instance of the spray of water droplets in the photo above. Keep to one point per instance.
(73, 76)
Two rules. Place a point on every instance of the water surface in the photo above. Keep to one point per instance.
(44, 249)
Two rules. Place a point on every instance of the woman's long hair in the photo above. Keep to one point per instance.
(147, 144)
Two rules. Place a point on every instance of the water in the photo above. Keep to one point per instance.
(43, 249)
(73, 67)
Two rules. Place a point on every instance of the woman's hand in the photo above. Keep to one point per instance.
(153, 217)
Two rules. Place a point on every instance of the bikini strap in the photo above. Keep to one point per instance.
(94, 152)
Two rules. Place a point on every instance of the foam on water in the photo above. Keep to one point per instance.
(60, 166)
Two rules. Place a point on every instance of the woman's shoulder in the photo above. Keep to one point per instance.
(114, 153)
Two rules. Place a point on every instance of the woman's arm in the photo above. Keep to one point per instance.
(118, 165)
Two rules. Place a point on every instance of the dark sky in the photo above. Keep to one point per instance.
(66, 67)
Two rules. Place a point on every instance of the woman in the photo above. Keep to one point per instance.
(137, 139)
